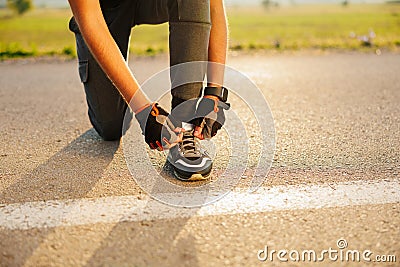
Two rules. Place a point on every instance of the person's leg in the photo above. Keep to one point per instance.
(189, 26)
(189, 35)
(106, 107)
(189, 40)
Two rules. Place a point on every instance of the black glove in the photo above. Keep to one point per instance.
(158, 127)
(210, 116)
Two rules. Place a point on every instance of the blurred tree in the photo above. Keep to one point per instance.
(20, 6)
(266, 2)
(269, 3)
(345, 3)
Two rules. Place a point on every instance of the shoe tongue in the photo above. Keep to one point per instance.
(187, 126)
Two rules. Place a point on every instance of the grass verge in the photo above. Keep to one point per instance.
(45, 31)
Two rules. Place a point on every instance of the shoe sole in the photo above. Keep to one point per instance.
(194, 178)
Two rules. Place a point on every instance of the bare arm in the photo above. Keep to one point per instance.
(218, 43)
(98, 38)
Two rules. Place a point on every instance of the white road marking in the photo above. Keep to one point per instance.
(43, 214)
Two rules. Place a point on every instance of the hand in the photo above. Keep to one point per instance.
(210, 117)
(161, 130)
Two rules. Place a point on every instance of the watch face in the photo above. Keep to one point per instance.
(224, 94)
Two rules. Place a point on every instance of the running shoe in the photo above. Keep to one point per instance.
(190, 162)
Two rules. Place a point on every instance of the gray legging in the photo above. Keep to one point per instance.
(189, 27)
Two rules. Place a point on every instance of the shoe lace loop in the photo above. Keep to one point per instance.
(189, 143)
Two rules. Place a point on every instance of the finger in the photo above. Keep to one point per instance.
(168, 144)
(172, 142)
(168, 134)
(199, 136)
(165, 140)
(198, 132)
(207, 130)
(179, 138)
(161, 119)
(179, 130)
(169, 123)
(160, 147)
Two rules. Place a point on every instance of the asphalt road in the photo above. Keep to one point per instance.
(337, 121)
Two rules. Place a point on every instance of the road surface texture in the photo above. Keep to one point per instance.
(68, 199)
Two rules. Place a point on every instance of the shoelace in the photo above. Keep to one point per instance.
(189, 143)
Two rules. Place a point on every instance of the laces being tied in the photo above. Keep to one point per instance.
(189, 146)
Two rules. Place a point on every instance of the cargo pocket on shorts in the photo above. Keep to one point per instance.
(83, 70)
(179, 8)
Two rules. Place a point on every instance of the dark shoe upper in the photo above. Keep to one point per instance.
(188, 158)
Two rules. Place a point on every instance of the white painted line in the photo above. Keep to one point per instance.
(22, 216)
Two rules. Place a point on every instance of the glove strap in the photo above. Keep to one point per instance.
(212, 97)
(220, 92)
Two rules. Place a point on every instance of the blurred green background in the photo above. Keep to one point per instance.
(270, 27)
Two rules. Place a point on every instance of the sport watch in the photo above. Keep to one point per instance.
(220, 92)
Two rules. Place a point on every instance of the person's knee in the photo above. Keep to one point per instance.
(109, 131)
(112, 130)
(111, 135)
